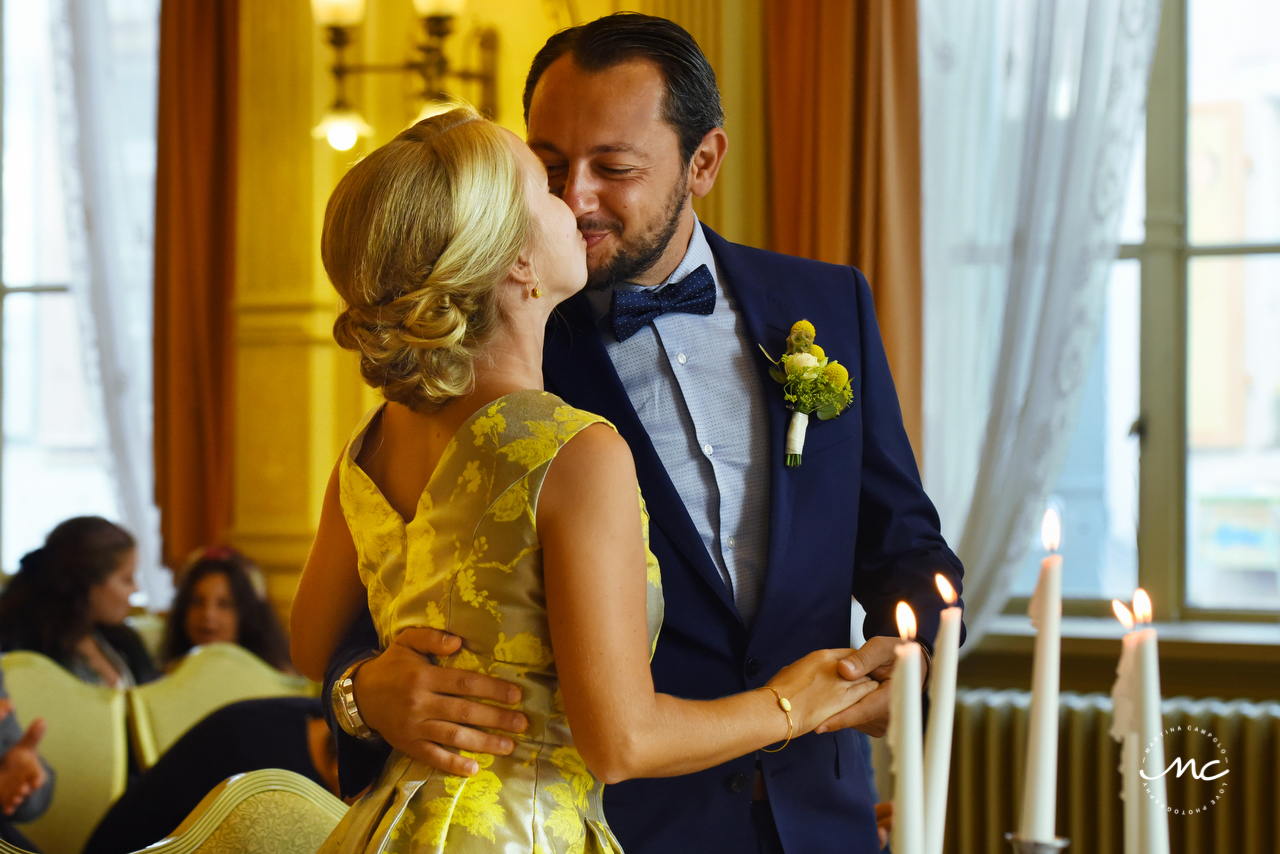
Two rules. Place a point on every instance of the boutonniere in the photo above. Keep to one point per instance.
(811, 384)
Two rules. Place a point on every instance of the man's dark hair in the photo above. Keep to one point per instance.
(692, 102)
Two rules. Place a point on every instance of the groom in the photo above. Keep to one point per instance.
(759, 561)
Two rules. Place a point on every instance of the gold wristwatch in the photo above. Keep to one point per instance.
(343, 700)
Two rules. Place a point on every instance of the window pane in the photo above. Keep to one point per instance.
(34, 247)
(1234, 114)
(54, 466)
(1098, 487)
(1233, 432)
(1133, 223)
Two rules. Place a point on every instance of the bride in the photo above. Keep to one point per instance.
(473, 501)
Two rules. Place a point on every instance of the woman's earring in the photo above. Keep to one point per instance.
(536, 293)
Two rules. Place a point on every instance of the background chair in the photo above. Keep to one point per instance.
(272, 810)
(86, 745)
(209, 678)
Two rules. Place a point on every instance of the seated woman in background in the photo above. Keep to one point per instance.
(219, 600)
(69, 601)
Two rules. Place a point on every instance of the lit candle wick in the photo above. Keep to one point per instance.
(1122, 613)
(944, 587)
(906, 622)
(1141, 606)
(1051, 530)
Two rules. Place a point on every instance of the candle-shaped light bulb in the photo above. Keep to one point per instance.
(906, 622)
(1141, 606)
(425, 8)
(337, 13)
(342, 127)
(1122, 614)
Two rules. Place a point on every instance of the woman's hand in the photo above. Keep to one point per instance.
(874, 659)
(21, 771)
(817, 690)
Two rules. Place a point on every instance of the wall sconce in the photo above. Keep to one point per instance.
(342, 124)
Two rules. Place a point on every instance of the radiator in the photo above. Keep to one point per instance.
(989, 750)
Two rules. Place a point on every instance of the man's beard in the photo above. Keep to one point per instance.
(630, 262)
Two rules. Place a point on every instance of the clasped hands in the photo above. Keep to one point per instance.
(426, 711)
(21, 771)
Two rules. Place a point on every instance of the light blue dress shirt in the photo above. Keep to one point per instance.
(694, 382)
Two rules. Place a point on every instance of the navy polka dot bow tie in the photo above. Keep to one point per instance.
(694, 294)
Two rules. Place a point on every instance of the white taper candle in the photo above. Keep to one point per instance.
(942, 710)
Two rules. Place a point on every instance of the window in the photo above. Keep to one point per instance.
(54, 463)
(56, 457)
(1189, 354)
(1232, 270)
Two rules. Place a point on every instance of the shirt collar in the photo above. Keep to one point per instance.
(698, 254)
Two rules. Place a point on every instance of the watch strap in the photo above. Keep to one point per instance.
(345, 709)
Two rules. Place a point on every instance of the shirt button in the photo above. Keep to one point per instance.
(737, 783)
(681, 358)
(753, 667)
(707, 449)
(731, 543)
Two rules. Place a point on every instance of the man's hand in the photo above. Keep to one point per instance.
(875, 658)
(884, 822)
(421, 708)
(21, 771)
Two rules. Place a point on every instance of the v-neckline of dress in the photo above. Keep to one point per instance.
(357, 444)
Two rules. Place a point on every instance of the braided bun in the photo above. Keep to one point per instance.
(417, 237)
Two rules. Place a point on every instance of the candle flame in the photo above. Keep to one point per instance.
(906, 621)
(1051, 530)
(1141, 606)
(1122, 613)
(944, 587)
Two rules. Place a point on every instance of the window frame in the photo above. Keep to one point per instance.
(5, 292)
(5, 289)
(1164, 257)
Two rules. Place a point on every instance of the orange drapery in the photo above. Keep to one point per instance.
(194, 272)
(844, 134)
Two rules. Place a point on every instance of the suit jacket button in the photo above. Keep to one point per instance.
(753, 667)
(738, 783)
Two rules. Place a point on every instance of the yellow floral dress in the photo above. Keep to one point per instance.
(470, 562)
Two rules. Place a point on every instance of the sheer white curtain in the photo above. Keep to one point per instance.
(106, 65)
(1029, 114)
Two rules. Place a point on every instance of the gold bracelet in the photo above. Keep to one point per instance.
(785, 705)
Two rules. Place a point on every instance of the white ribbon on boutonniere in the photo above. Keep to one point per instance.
(811, 384)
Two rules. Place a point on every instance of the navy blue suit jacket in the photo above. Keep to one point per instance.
(853, 519)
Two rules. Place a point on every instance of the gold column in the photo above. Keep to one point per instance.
(731, 34)
(297, 394)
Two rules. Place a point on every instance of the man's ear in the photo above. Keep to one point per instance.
(706, 160)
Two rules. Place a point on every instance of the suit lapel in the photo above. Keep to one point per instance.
(763, 311)
(579, 369)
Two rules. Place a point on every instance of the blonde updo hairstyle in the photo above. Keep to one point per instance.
(417, 237)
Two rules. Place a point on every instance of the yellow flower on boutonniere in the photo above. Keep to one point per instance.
(811, 384)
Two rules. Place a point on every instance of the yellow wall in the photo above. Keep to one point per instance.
(298, 396)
